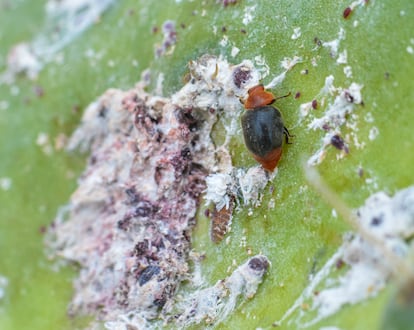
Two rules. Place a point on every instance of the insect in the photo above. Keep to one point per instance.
(221, 221)
(263, 127)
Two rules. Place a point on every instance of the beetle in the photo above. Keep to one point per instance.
(263, 127)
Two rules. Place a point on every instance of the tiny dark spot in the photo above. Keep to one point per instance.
(154, 29)
(103, 112)
(158, 173)
(160, 302)
(349, 97)
(314, 104)
(144, 209)
(229, 2)
(207, 213)
(340, 263)
(243, 31)
(387, 75)
(347, 12)
(147, 274)
(339, 143)
(132, 195)
(376, 221)
(258, 263)
(317, 41)
(223, 29)
(186, 153)
(140, 248)
(93, 160)
(124, 224)
(241, 75)
(158, 136)
(297, 95)
(76, 108)
(183, 26)
(326, 127)
(361, 172)
(185, 116)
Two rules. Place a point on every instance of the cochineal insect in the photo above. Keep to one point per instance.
(263, 127)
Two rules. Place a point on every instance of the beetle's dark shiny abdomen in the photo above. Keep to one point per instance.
(263, 130)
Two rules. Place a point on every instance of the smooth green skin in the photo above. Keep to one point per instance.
(298, 235)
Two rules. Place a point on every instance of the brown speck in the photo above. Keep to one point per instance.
(349, 97)
(140, 248)
(317, 41)
(154, 29)
(183, 26)
(347, 12)
(76, 109)
(297, 95)
(258, 263)
(326, 127)
(314, 104)
(243, 31)
(241, 75)
(339, 263)
(339, 143)
(228, 2)
(223, 29)
(220, 222)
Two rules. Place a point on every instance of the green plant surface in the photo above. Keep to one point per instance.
(299, 234)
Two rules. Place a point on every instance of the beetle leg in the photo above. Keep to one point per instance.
(287, 135)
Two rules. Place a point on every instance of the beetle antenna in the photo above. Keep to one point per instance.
(281, 97)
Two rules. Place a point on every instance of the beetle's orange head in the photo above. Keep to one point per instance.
(258, 97)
